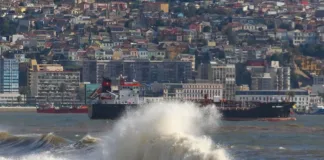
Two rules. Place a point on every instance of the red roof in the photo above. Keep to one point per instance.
(256, 63)
(304, 2)
(131, 84)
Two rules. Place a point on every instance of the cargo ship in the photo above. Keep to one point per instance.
(108, 104)
(50, 108)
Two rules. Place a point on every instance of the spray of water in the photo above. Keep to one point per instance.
(165, 131)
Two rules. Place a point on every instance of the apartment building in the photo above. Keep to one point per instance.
(222, 73)
(271, 77)
(9, 75)
(45, 82)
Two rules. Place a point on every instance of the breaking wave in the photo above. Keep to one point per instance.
(162, 131)
(159, 131)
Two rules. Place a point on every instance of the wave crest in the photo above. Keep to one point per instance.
(168, 130)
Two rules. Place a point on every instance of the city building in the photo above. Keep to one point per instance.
(192, 91)
(243, 87)
(270, 77)
(11, 99)
(142, 70)
(89, 71)
(156, 6)
(264, 82)
(203, 71)
(318, 84)
(301, 97)
(46, 82)
(9, 76)
(222, 73)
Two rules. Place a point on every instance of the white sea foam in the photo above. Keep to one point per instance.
(41, 156)
(165, 131)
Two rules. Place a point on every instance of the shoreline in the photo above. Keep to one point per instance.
(17, 109)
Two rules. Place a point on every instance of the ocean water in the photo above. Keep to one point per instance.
(162, 131)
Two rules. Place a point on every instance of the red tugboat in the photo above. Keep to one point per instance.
(50, 108)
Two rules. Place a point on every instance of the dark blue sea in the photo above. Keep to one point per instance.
(166, 131)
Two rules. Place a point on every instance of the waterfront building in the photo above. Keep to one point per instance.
(9, 76)
(12, 99)
(45, 82)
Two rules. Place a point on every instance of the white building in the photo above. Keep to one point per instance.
(192, 91)
(301, 97)
(221, 73)
(12, 98)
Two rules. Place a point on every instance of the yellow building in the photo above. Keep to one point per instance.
(275, 49)
(21, 9)
(243, 87)
(164, 7)
(45, 80)
(309, 64)
(189, 58)
(117, 55)
(44, 67)
(156, 7)
(34, 67)
(211, 43)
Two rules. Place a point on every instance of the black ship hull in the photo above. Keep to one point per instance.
(108, 111)
(274, 111)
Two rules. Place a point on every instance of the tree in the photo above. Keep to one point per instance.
(201, 11)
(206, 29)
(291, 95)
(260, 29)
(62, 89)
(284, 26)
(190, 11)
(19, 99)
(80, 94)
(108, 29)
(299, 27)
(159, 22)
(128, 24)
(57, 2)
(230, 34)
(24, 90)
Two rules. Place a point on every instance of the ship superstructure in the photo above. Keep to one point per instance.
(105, 100)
